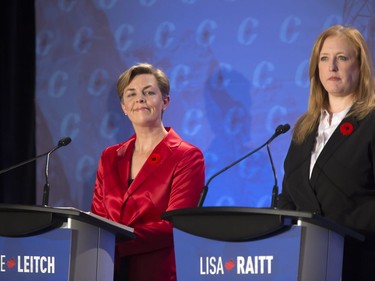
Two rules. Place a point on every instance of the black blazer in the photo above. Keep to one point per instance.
(342, 184)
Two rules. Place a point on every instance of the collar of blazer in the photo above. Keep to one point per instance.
(334, 142)
(164, 149)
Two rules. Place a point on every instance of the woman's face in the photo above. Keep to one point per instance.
(143, 102)
(338, 66)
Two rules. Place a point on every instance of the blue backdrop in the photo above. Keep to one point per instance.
(238, 69)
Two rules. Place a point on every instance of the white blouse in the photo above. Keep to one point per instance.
(327, 125)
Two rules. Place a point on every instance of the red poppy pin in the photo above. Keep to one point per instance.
(346, 128)
(154, 158)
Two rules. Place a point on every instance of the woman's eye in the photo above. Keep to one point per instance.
(343, 58)
(323, 58)
(149, 93)
(130, 95)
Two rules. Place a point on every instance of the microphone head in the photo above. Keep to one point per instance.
(281, 129)
(64, 141)
(285, 128)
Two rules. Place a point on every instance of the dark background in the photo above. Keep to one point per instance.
(17, 100)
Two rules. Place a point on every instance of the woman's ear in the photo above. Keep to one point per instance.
(166, 101)
(123, 108)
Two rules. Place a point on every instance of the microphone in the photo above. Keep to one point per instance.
(275, 191)
(281, 129)
(63, 142)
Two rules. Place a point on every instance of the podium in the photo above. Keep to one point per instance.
(44, 243)
(232, 243)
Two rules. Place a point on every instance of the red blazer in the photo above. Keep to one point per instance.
(172, 178)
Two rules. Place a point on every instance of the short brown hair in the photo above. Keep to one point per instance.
(143, 68)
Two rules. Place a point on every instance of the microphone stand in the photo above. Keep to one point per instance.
(275, 189)
(22, 163)
(205, 188)
(62, 142)
(46, 185)
(281, 129)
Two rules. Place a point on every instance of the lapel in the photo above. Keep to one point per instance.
(124, 154)
(161, 154)
(308, 146)
(306, 154)
(334, 142)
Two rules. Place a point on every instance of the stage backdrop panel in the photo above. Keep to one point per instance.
(238, 69)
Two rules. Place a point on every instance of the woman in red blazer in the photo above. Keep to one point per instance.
(153, 172)
(330, 165)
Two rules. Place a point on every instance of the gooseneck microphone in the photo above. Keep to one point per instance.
(275, 189)
(281, 129)
(63, 142)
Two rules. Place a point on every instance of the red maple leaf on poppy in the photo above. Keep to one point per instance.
(11, 263)
(229, 265)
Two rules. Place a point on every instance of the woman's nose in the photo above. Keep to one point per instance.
(333, 66)
(141, 98)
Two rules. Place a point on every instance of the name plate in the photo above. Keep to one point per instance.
(40, 257)
(273, 258)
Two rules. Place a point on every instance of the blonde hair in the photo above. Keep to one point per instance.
(318, 98)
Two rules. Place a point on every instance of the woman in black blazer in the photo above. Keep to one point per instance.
(329, 168)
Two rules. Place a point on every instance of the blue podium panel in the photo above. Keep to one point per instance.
(268, 259)
(43, 257)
